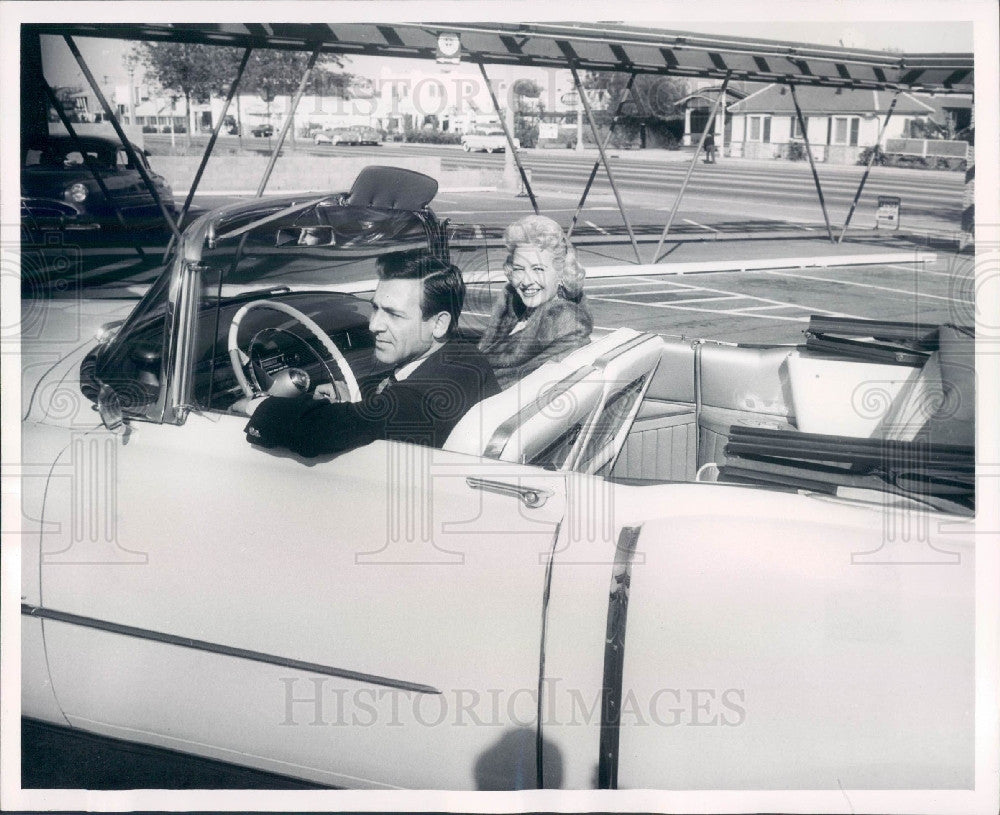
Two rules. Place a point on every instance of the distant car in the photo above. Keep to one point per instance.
(337, 135)
(367, 135)
(263, 130)
(492, 141)
(59, 192)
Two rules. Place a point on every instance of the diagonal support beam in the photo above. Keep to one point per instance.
(593, 170)
(208, 149)
(510, 139)
(694, 161)
(868, 169)
(812, 163)
(288, 122)
(126, 144)
(604, 160)
(91, 165)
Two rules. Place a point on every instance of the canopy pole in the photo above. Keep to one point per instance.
(214, 137)
(812, 163)
(126, 144)
(288, 122)
(694, 161)
(604, 160)
(871, 161)
(94, 170)
(510, 139)
(597, 164)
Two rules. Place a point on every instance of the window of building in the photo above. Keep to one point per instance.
(797, 129)
(760, 129)
(845, 130)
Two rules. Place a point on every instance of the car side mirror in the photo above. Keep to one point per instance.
(146, 356)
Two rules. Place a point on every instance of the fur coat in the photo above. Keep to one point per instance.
(551, 331)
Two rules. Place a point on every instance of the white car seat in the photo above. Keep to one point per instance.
(558, 416)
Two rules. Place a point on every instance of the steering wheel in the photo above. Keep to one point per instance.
(237, 361)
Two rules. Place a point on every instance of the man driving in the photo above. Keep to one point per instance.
(431, 383)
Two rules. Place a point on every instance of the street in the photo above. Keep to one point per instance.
(733, 190)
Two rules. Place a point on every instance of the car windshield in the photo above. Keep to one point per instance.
(64, 153)
(320, 259)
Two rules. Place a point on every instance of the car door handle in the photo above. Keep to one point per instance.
(531, 497)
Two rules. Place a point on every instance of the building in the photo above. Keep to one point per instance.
(840, 123)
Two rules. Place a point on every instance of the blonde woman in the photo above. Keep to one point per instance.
(542, 315)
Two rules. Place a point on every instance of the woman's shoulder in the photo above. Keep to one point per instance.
(559, 313)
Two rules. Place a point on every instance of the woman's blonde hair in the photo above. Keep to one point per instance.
(545, 234)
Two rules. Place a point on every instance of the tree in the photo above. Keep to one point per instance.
(198, 72)
(195, 72)
(272, 73)
(657, 109)
(526, 113)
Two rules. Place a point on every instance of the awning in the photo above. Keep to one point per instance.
(587, 46)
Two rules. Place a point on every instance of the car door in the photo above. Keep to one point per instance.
(369, 620)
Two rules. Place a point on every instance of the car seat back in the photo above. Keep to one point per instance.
(624, 373)
(545, 418)
(392, 188)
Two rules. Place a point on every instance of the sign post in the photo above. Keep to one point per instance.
(887, 214)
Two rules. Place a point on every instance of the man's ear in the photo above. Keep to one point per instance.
(440, 325)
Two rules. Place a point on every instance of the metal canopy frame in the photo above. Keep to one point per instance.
(603, 47)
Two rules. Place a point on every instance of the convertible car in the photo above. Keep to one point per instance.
(658, 563)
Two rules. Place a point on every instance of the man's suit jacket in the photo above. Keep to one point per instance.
(422, 409)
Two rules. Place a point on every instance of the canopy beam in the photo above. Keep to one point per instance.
(868, 169)
(510, 139)
(604, 159)
(91, 166)
(132, 157)
(607, 140)
(694, 160)
(812, 162)
(208, 148)
(288, 121)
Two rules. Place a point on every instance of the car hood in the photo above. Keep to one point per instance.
(56, 335)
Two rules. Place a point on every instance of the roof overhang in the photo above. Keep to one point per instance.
(587, 46)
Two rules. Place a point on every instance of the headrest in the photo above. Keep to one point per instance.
(392, 188)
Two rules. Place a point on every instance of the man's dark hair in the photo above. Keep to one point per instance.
(443, 289)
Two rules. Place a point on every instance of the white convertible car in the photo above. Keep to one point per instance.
(655, 564)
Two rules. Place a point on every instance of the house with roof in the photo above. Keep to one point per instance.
(840, 123)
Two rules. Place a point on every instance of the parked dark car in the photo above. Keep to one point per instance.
(59, 192)
(265, 130)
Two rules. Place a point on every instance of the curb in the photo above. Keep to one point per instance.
(184, 193)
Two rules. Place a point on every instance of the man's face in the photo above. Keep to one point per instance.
(401, 333)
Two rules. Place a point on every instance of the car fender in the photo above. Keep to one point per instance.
(764, 640)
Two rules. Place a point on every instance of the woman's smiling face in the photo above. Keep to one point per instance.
(533, 276)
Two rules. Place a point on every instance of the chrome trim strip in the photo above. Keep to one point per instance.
(217, 648)
(614, 659)
(506, 430)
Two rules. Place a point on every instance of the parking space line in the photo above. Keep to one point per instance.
(595, 226)
(949, 275)
(720, 298)
(857, 284)
(766, 308)
(703, 226)
(618, 284)
(721, 311)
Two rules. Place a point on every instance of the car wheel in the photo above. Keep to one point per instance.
(466, 148)
(489, 149)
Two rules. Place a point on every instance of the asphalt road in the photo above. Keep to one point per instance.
(717, 195)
